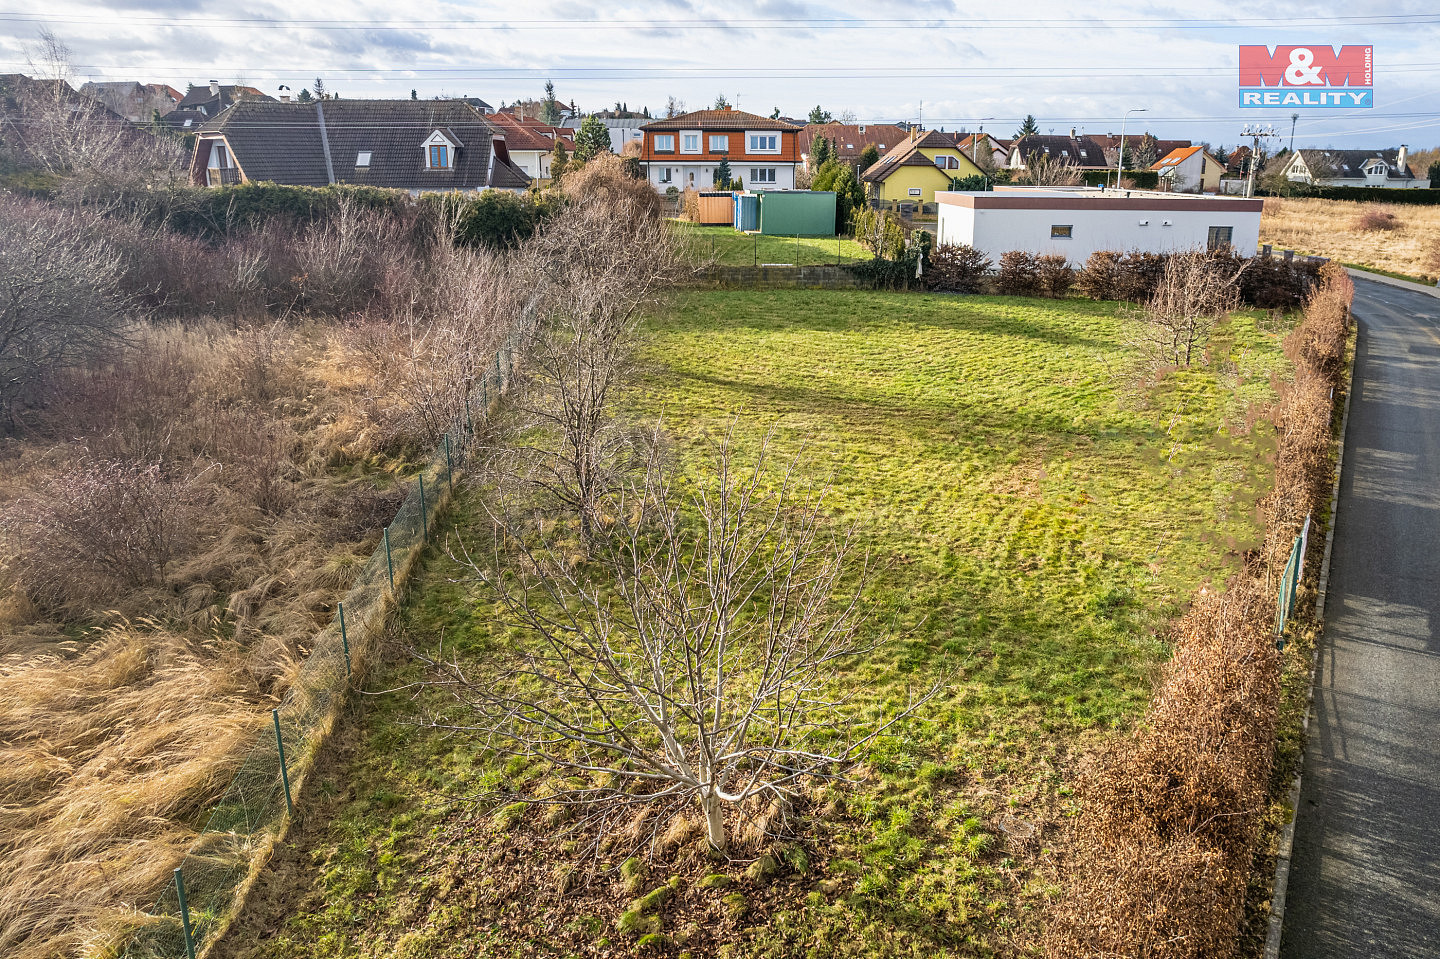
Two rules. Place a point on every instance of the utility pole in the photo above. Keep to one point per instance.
(1294, 118)
(1257, 133)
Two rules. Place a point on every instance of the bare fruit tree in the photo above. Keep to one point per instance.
(1194, 292)
(698, 657)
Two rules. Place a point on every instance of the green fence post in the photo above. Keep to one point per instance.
(449, 466)
(424, 520)
(344, 638)
(184, 914)
(389, 562)
(284, 773)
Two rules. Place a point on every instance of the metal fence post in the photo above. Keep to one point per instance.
(389, 562)
(424, 520)
(449, 466)
(184, 914)
(284, 773)
(344, 638)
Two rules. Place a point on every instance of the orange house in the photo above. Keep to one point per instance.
(684, 152)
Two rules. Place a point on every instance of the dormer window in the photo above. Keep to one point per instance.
(439, 156)
(440, 151)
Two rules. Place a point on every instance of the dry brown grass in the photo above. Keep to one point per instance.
(1329, 228)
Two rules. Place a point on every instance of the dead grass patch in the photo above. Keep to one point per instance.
(1329, 228)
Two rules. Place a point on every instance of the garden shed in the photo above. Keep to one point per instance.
(717, 208)
(797, 212)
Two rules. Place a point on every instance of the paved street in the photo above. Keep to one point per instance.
(1365, 877)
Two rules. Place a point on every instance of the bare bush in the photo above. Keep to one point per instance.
(1041, 170)
(1055, 274)
(353, 260)
(1376, 218)
(1019, 274)
(60, 302)
(705, 672)
(1194, 292)
(611, 181)
(957, 269)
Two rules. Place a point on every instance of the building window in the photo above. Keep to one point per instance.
(764, 143)
(665, 175)
(221, 160)
(1219, 237)
(762, 174)
(1061, 231)
(664, 143)
(690, 143)
(363, 159)
(916, 191)
(719, 143)
(439, 156)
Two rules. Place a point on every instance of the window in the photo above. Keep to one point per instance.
(1219, 237)
(719, 143)
(690, 143)
(363, 159)
(1061, 231)
(664, 143)
(916, 191)
(762, 174)
(439, 156)
(764, 143)
(947, 163)
(220, 158)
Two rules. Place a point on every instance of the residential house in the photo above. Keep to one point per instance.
(851, 139)
(1111, 143)
(926, 162)
(415, 145)
(1078, 221)
(684, 151)
(999, 149)
(1081, 152)
(1383, 169)
(1189, 170)
(531, 143)
(29, 107)
(202, 104)
(136, 102)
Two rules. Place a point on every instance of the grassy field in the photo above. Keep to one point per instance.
(1041, 509)
(730, 248)
(1331, 228)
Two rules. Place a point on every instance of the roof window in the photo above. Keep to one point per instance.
(363, 159)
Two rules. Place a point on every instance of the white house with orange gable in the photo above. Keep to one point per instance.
(1189, 170)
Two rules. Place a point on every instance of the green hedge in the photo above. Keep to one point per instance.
(205, 212)
(1361, 194)
(1144, 179)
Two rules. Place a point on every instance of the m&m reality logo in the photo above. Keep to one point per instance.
(1312, 76)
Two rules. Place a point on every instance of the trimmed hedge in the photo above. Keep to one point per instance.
(1144, 179)
(210, 212)
(1361, 194)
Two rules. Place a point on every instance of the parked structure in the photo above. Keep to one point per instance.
(414, 145)
(136, 102)
(684, 151)
(1078, 221)
(851, 139)
(927, 162)
(1189, 170)
(1383, 169)
(797, 213)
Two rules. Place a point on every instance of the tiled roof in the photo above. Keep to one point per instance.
(908, 154)
(1111, 141)
(719, 120)
(282, 142)
(200, 98)
(530, 135)
(1079, 151)
(1350, 164)
(851, 139)
(1176, 157)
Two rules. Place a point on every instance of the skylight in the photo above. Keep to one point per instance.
(363, 159)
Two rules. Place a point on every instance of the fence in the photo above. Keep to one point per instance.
(209, 886)
(1290, 582)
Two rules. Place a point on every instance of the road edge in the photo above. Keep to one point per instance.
(1287, 832)
(1392, 281)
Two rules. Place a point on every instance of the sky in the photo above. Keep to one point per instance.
(945, 64)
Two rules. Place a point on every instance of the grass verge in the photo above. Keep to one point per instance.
(729, 248)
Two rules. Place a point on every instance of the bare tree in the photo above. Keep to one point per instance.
(673, 107)
(700, 660)
(1195, 290)
(1042, 170)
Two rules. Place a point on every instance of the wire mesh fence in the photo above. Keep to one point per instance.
(210, 884)
(1290, 582)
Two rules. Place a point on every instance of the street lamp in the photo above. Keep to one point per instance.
(1120, 163)
(975, 142)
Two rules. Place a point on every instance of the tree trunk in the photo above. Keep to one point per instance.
(714, 820)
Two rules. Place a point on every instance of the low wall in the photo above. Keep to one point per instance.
(822, 277)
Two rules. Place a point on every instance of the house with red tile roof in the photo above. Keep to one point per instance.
(685, 151)
(928, 161)
(851, 139)
(531, 142)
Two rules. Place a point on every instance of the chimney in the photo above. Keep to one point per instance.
(1072, 133)
(1400, 159)
(284, 93)
(214, 88)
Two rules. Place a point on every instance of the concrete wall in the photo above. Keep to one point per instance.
(998, 231)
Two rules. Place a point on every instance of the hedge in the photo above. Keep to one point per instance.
(1144, 179)
(208, 212)
(1361, 194)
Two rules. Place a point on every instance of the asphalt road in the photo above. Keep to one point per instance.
(1365, 872)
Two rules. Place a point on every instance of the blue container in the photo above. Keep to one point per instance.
(747, 212)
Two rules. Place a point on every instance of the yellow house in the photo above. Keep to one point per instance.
(918, 167)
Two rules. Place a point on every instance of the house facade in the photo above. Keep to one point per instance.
(1076, 222)
(976, 144)
(1382, 169)
(531, 143)
(1189, 170)
(917, 169)
(683, 152)
(415, 145)
(851, 139)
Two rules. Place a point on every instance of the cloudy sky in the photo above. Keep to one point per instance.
(950, 64)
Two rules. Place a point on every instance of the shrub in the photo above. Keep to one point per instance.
(1056, 275)
(1019, 274)
(1109, 275)
(957, 269)
(611, 180)
(975, 182)
(1374, 218)
(496, 219)
(1195, 291)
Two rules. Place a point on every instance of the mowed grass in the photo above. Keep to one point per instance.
(1038, 512)
(730, 248)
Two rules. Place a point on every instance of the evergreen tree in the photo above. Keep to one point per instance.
(549, 106)
(1029, 127)
(304, 96)
(820, 152)
(320, 93)
(1144, 153)
(869, 157)
(1434, 174)
(591, 140)
(722, 174)
(559, 161)
(821, 115)
(721, 102)
(413, 94)
(775, 114)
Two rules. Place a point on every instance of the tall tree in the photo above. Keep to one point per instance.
(869, 157)
(559, 161)
(722, 102)
(591, 140)
(304, 96)
(320, 92)
(549, 106)
(820, 152)
(414, 95)
(722, 174)
(820, 115)
(1143, 152)
(1028, 127)
(673, 107)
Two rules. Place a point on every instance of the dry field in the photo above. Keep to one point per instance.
(1395, 238)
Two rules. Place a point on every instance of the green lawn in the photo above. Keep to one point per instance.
(1040, 513)
(730, 248)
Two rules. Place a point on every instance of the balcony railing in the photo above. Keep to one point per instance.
(222, 176)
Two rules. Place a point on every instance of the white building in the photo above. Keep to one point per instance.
(1079, 221)
(685, 152)
(1383, 169)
